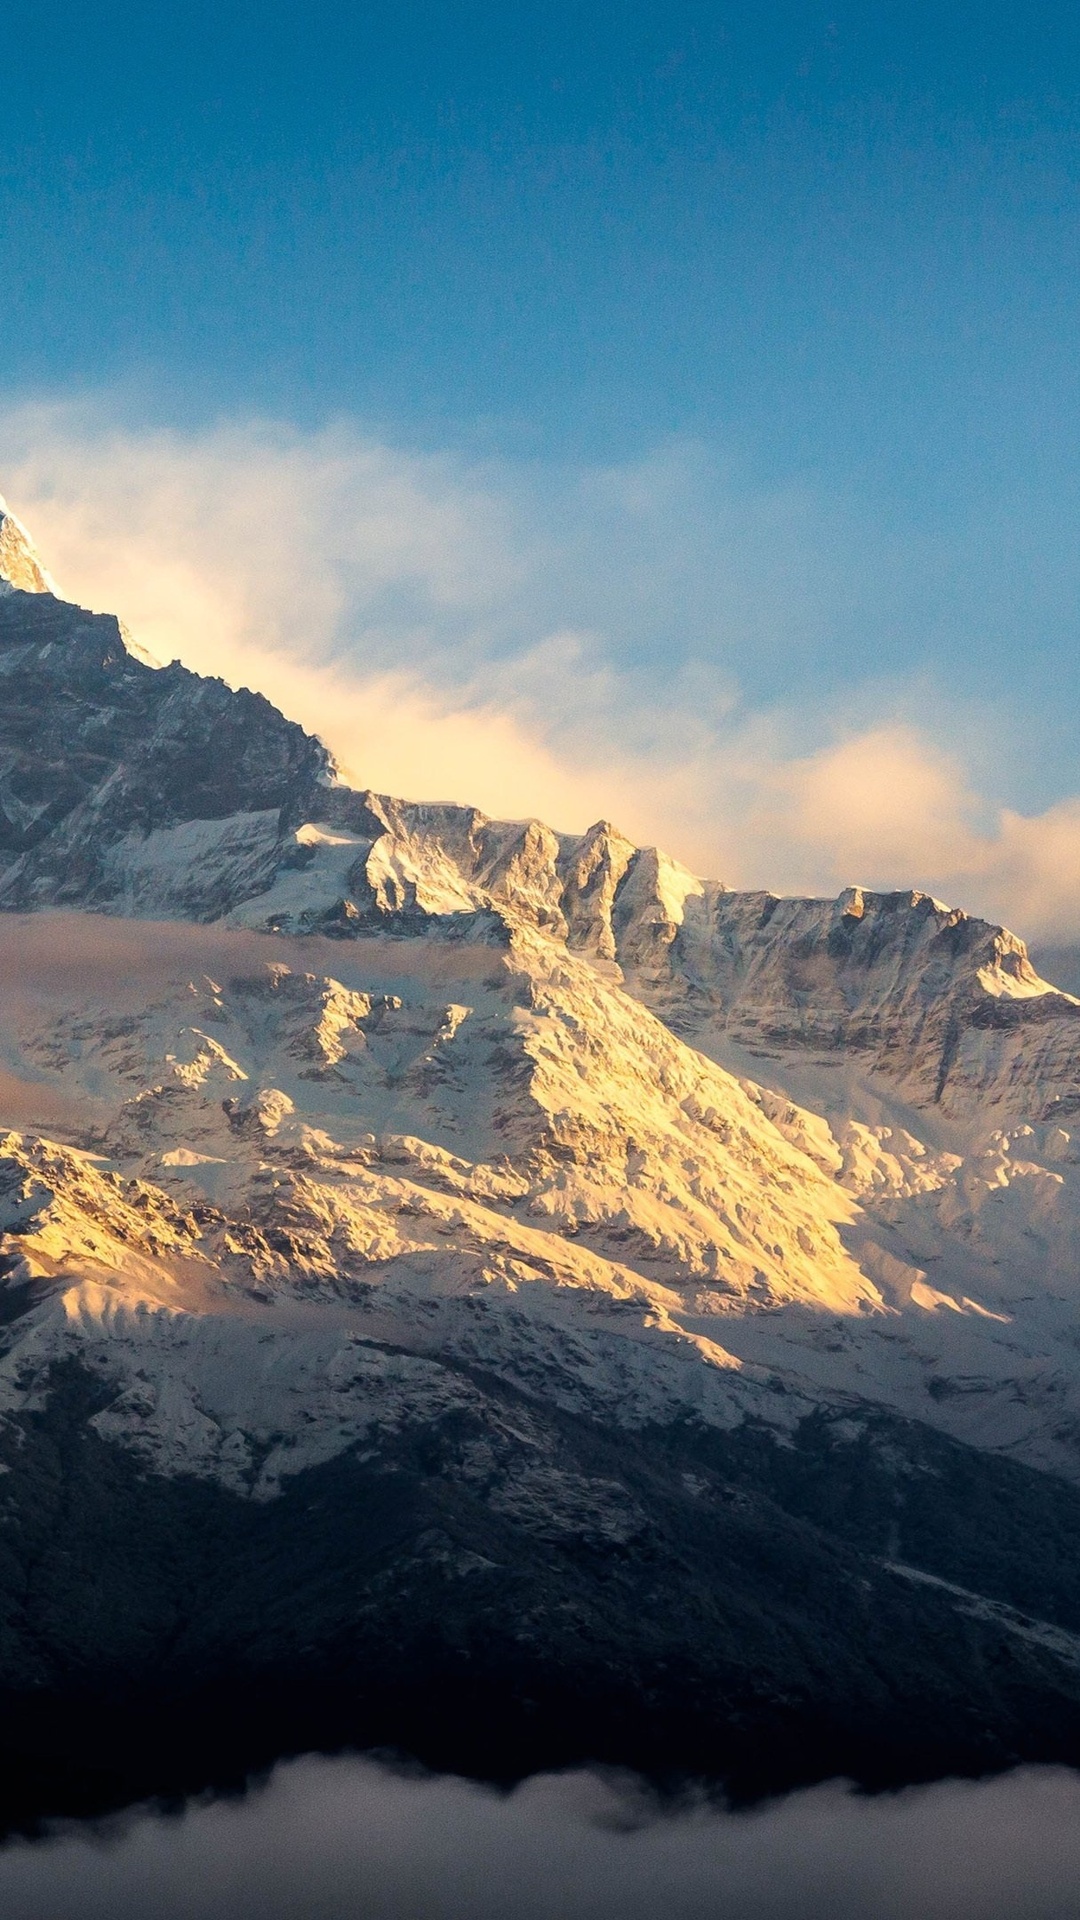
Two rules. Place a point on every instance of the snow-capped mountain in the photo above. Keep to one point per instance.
(664, 1297)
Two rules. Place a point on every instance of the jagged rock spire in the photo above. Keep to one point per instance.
(21, 567)
(20, 562)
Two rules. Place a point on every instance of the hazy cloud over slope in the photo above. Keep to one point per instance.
(337, 1840)
(576, 644)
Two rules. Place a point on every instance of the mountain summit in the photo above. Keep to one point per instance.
(488, 1291)
(20, 563)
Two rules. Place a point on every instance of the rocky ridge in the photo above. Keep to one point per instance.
(159, 793)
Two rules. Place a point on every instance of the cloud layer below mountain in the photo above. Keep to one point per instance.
(333, 1840)
(574, 645)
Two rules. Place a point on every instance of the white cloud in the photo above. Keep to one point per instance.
(458, 630)
(344, 1837)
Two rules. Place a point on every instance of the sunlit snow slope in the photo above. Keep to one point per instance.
(372, 1083)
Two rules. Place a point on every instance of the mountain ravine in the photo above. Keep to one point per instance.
(489, 1294)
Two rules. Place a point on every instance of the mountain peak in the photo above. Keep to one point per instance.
(20, 563)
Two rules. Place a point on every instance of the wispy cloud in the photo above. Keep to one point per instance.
(569, 644)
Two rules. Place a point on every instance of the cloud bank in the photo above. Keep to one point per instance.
(572, 644)
(347, 1840)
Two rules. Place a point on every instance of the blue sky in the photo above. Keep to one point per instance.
(760, 322)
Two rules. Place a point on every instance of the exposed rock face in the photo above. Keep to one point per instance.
(374, 1174)
(943, 1006)
(98, 750)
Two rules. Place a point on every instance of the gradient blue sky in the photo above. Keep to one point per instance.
(812, 269)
